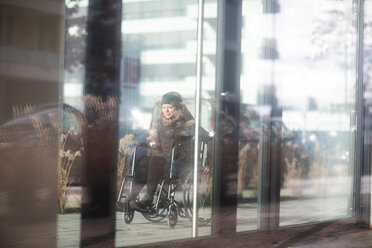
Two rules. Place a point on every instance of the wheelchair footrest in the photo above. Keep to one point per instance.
(145, 210)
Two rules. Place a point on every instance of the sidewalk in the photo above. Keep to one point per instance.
(359, 238)
(143, 232)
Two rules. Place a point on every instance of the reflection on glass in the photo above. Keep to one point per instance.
(71, 149)
(296, 129)
(319, 175)
(368, 83)
(299, 73)
(159, 56)
(30, 121)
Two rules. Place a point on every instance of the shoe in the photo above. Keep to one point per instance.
(120, 207)
(144, 203)
(140, 205)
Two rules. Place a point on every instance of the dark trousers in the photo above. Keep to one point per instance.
(149, 171)
(158, 166)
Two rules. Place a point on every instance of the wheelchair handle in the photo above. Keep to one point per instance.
(172, 160)
(201, 154)
(134, 160)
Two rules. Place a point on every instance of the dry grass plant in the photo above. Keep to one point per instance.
(29, 141)
(28, 149)
(66, 161)
(248, 168)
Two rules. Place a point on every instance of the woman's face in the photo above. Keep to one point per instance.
(168, 110)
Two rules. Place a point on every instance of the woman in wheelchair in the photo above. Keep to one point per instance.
(175, 126)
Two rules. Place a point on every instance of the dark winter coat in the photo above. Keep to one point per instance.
(178, 131)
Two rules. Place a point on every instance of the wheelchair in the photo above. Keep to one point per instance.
(173, 197)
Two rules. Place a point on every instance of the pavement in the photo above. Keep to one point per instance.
(330, 204)
(142, 231)
(358, 238)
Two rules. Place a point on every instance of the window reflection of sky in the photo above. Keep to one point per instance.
(296, 73)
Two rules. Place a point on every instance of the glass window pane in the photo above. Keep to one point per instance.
(31, 66)
(298, 91)
(72, 151)
(297, 160)
(159, 42)
(318, 109)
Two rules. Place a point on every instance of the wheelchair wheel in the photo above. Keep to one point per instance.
(159, 212)
(126, 187)
(128, 216)
(172, 216)
(157, 216)
(203, 209)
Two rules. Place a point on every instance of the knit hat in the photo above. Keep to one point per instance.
(172, 98)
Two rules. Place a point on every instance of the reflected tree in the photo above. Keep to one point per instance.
(334, 40)
(335, 37)
(75, 35)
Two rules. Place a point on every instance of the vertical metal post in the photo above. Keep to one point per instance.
(358, 156)
(216, 165)
(226, 143)
(3, 35)
(199, 76)
(100, 133)
(270, 152)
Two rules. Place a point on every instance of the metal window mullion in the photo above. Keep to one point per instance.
(102, 83)
(358, 153)
(226, 145)
(216, 187)
(199, 70)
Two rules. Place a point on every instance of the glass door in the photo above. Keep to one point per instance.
(159, 67)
